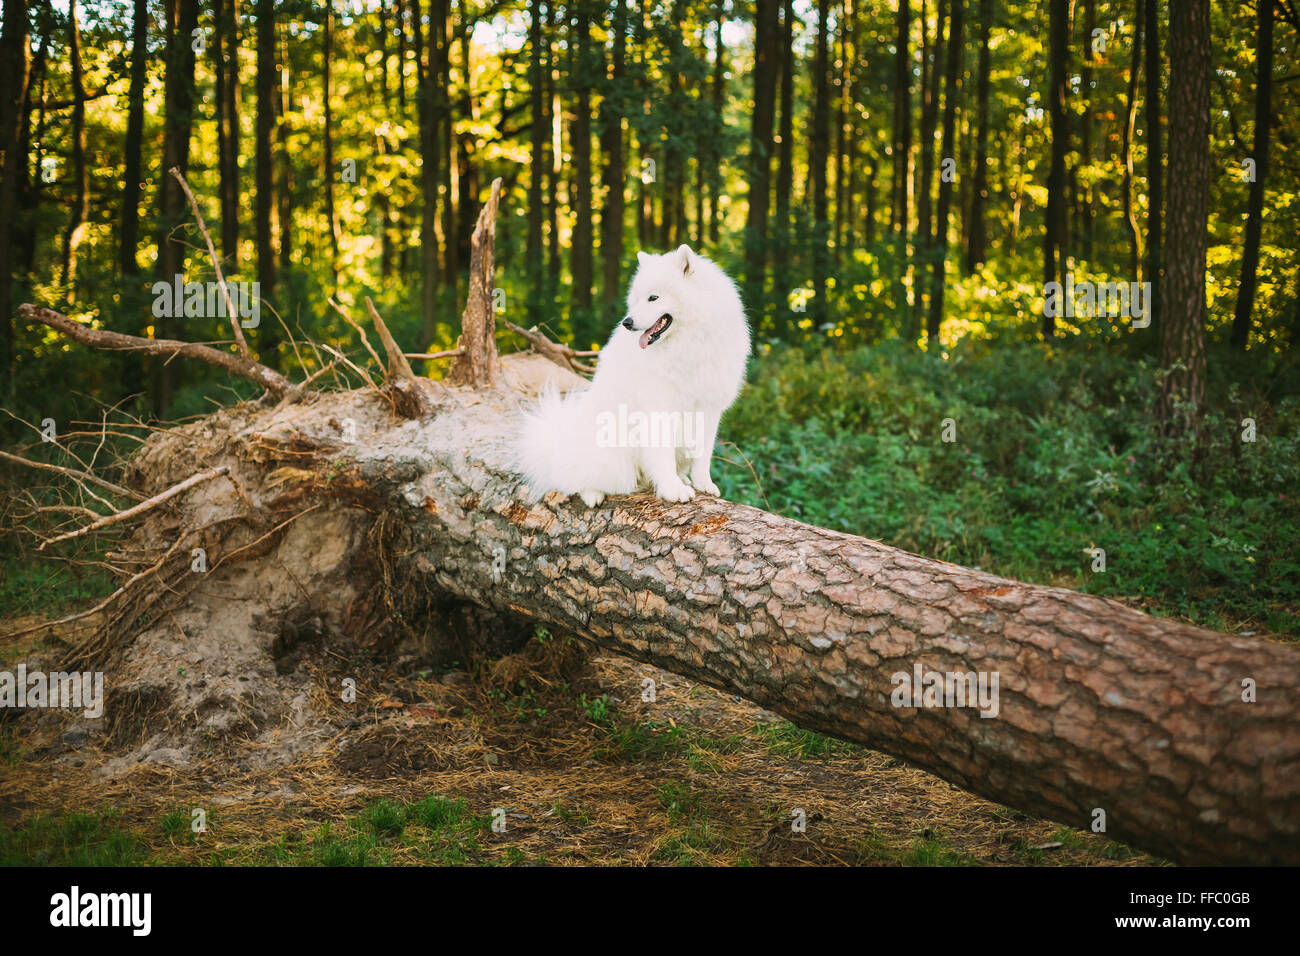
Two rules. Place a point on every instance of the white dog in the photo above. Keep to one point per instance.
(650, 415)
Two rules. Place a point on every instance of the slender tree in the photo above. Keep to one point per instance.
(264, 159)
(782, 226)
(931, 55)
(1155, 157)
(1126, 150)
(766, 26)
(899, 207)
(612, 107)
(1255, 207)
(77, 211)
(442, 26)
(329, 172)
(178, 95)
(902, 118)
(842, 79)
(977, 235)
(1182, 331)
(930, 74)
(818, 156)
(427, 91)
(553, 151)
(719, 92)
(1083, 218)
(467, 190)
(951, 83)
(1054, 233)
(226, 70)
(534, 252)
(129, 233)
(580, 249)
(15, 73)
(270, 333)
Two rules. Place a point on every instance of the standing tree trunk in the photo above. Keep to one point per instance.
(932, 50)
(817, 159)
(271, 337)
(782, 268)
(331, 210)
(1155, 162)
(15, 73)
(715, 180)
(899, 210)
(182, 20)
(427, 80)
(1130, 119)
(842, 81)
(766, 32)
(129, 236)
(1182, 332)
(902, 120)
(1083, 218)
(1054, 231)
(399, 13)
(265, 145)
(466, 172)
(77, 214)
(1255, 209)
(442, 26)
(951, 82)
(226, 68)
(613, 106)
(976, 234)
(849, 92)
(554, 153)
(580, 261)
(533, 254)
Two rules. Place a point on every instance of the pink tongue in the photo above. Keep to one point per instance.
(659, 326)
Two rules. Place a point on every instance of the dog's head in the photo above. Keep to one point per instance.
(660, 298)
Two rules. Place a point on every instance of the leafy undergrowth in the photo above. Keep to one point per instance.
(541, 758)
(1055, 453)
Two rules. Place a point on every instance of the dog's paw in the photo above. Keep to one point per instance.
(591, 498)
(679, 491)
(705, 485)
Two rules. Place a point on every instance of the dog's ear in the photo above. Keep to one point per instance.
(686, 259)
(643, 257)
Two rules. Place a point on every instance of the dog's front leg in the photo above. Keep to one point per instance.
(702, 452)
(660, 467)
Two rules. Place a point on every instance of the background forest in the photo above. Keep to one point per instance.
(894, 185)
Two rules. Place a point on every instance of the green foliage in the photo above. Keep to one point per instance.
(1057, 451)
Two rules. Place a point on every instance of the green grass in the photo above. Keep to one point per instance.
(574, 816)
(645, 740)
(695, 838)
(434, 830)
(934, 851)
(787, 740)
(73, 839)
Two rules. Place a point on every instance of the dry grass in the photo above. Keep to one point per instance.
(562, 747)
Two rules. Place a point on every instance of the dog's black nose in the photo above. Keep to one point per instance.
(627, 323)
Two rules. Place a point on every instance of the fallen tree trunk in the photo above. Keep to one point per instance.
(1182, 741)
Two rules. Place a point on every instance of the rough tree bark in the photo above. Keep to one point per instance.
(1100, 707)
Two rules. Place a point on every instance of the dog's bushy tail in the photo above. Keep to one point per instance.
(544, 442)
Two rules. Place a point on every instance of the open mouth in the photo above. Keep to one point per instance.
(651, 335)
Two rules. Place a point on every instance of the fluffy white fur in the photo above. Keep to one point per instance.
(696, 365)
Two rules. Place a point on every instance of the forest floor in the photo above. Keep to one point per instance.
(557, 744)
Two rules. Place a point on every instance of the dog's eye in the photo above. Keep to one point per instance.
(654, 298)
